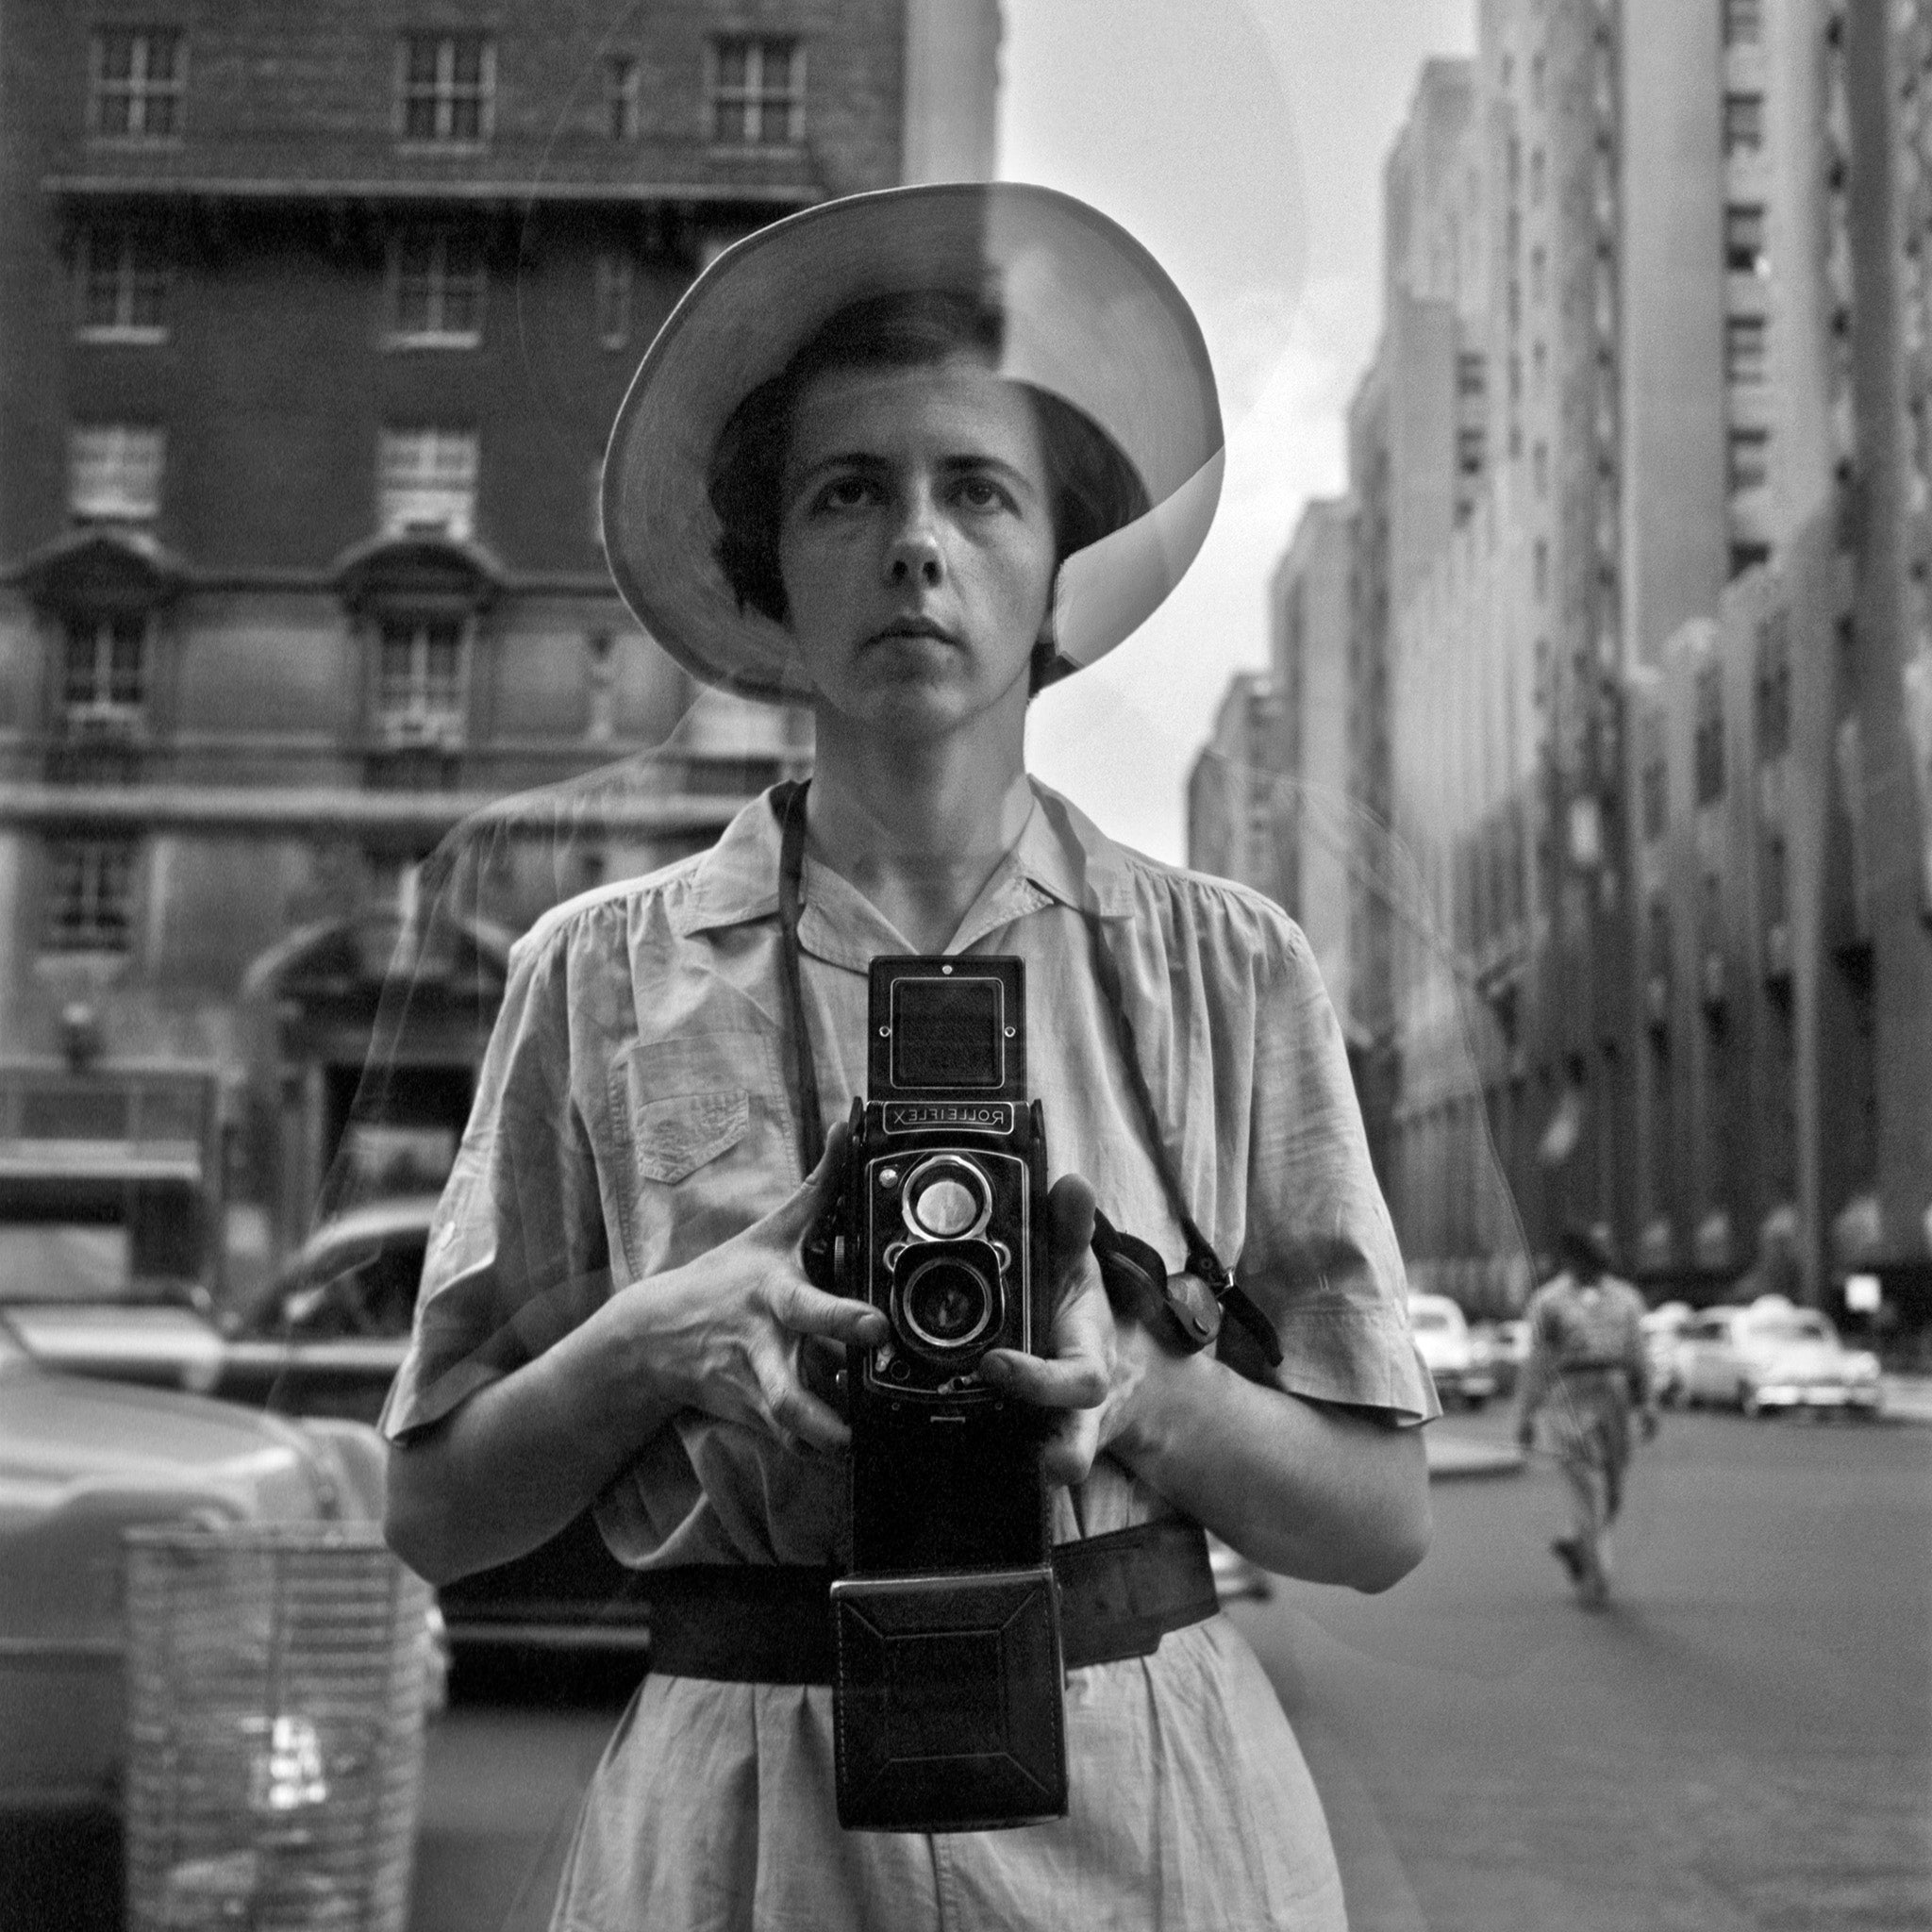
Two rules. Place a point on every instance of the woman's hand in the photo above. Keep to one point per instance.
(727, 1333)
(1096, 1359)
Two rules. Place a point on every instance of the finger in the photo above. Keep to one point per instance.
(1069, 1381)
(797, 1417)
(1066, 1458)
(1070, 1219)
(798, 1305)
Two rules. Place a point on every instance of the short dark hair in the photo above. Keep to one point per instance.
(1093, 488)
(1584, 1251)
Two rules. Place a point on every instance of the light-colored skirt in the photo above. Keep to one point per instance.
(1191, 1811)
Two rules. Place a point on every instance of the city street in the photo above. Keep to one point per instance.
(1742, 1741)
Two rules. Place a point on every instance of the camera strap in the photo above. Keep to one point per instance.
(1192, 1321)
(788, 801)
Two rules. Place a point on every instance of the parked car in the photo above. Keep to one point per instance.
(81, 1462)
(1500, 1347)
(1773, 1355)
(1663, 1335)
(325, 1340)
(1441, 1338)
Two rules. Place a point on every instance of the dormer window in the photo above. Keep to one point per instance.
(427, 482)
(136, 81)
(419, 682)
(114, 473)
(105, 673)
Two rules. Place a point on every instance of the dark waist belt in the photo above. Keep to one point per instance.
(771, 1623)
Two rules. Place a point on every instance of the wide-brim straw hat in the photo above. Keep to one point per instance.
(1090, 315)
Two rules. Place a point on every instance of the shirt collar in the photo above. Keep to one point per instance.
(1058, 850)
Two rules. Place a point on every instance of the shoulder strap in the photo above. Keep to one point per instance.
(1203, 1262)
(788, 802)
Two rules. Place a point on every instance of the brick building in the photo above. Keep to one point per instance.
(315, 321)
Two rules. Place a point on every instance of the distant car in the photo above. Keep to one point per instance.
(82, 1461)
(1773, 1355)
(1498, 1346)
(1663, 1334)
(1441, 1338)
(324, 1338)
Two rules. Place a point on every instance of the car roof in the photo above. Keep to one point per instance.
(399, 1217)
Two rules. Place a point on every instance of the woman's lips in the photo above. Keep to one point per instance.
(911, 628)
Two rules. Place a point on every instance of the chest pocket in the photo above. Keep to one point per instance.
(702, 1119)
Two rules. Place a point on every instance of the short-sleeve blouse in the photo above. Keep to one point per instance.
(638, 1106)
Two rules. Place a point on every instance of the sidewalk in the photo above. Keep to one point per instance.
(1907, 1398)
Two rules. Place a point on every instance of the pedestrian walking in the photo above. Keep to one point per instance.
(904, 458)
(1588, 1367)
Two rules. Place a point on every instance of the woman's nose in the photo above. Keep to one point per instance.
(916, 556)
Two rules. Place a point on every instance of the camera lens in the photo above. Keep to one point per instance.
(947, 1304)
(946, 1198)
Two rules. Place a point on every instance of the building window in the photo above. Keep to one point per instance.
(757, 92)
(1743, 23)
(622, 98)
(1745, 249)
(1748, 557)
(123, 287)
(1540, 568)
(419, 687)
(1470, 373)
(91, 895)
(1654, 779)
(1743, 124)
(114, 473)
(427, 481)
(448, 87)
(1468, 450)
(613, 299)
(1777, 895)
(1708, 747)
(136, 81)
(1773, 686)
(1747, 348)
(439, 288)
(103, 676)
(1750, 459)
(1539, 469)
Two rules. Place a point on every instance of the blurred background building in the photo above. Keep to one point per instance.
(1634, 677)
(316, 319)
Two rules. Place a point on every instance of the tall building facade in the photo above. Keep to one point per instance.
(1655, 733)
(316, 319)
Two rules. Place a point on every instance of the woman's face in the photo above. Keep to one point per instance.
(916, 542)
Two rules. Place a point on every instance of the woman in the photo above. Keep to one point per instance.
(904, 457)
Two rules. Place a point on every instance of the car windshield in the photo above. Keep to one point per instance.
(1429, 1318)
(1791, 1328)
(77, 1262)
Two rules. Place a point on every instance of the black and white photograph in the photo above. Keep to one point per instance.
(965, 965)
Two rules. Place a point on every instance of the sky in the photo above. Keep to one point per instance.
(1242, 141)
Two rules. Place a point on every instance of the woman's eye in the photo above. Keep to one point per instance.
(981, 492)
(846, 493)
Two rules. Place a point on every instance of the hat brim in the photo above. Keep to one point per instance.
(1090, 317)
